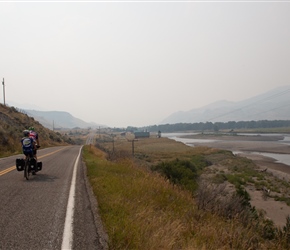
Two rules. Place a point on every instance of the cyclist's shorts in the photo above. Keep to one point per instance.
(26, 153)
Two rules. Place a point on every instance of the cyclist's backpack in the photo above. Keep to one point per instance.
(27, 146)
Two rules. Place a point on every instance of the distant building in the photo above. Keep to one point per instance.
(142, 134)
(159, 134)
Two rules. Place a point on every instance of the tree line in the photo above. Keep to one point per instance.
(209, 126)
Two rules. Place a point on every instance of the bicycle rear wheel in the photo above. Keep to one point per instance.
(26, 169)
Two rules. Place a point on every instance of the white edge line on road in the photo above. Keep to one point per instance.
(67, 238)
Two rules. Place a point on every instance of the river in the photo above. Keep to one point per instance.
(280, 158)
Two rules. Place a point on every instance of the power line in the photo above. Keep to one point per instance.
(249, 105)
(272, 109)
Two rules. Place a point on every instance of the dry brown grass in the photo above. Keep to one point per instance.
(155, 149)
(142, 210)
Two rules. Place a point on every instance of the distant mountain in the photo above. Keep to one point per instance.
(59, 119)
(272, 105)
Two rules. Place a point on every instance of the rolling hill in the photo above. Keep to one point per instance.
(59, 119)
(12, 124)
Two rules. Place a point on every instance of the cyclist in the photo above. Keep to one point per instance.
(34, 136)
(28, 144)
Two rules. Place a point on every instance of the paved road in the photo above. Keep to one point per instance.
(91, 138)
(33, 212)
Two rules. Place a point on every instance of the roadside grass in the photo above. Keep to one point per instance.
(141, 209)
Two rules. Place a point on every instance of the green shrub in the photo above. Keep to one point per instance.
(182, 172)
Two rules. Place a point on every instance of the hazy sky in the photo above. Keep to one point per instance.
(135, 63)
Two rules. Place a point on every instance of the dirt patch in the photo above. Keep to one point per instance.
(275, 210)
(248, 146)
(229, 137)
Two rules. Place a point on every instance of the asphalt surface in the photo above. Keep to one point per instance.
(32, 212)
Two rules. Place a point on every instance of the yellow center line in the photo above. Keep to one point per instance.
(40, 157)
(7, 170)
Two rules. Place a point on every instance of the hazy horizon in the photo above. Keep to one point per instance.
(135, 63)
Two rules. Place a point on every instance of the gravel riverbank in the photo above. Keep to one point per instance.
(245, 146)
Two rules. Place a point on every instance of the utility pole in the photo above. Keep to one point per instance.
(131, 138)
(3, 91)
(113, 136)
(133, 147)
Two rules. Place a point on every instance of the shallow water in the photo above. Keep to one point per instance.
(280, 158)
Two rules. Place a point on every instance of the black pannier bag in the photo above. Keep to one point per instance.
(39, 166)
(32, 162)
(20, 163)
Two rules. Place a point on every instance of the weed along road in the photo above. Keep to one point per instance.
(51, 210)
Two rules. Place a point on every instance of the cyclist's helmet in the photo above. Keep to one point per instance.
(26, 133)
(31, 128)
